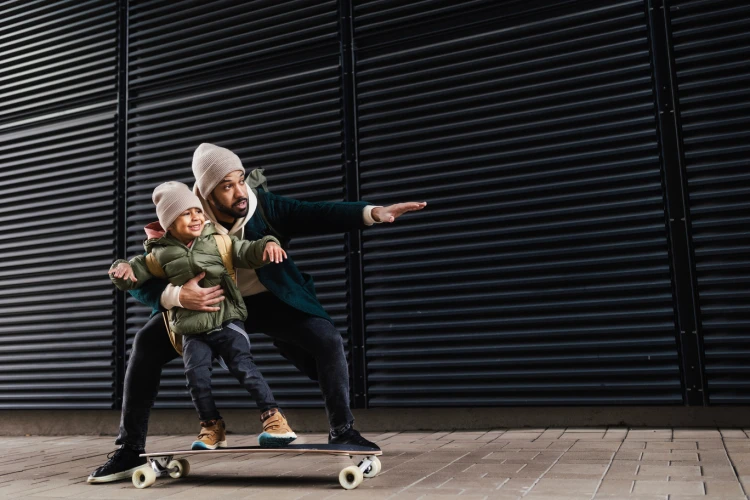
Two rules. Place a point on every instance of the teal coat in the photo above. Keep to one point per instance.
(289, 218)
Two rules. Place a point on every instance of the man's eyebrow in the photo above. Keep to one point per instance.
(242, 177)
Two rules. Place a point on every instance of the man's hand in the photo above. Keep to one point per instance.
(124, 271)
(273, 253)
(195, 298)
(393, 212)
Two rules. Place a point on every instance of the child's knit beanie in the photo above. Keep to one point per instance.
(211, 164)
(171, 199)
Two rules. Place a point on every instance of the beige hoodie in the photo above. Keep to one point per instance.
(247, 279)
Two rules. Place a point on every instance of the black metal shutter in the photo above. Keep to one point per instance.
(539, 274)
(57, 203)
(711, 48)
(261, 78)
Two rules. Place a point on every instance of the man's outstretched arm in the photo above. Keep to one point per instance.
(299, 218)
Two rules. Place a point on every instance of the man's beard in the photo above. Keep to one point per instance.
(232, 211)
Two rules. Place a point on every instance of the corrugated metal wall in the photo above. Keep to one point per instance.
(58, 100)
(542, 271)
(540, 274)
(711, 51)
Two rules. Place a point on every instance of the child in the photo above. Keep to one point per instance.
(189, 247)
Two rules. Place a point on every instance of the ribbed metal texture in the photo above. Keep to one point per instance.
(539, 274)
(57, 154)
(261, 78)
(711, 47)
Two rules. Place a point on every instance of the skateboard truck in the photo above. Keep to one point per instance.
(352, 476)
(159, 467)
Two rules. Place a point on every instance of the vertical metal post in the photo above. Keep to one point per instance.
(121, 190)
(354, 238)
(674, 176)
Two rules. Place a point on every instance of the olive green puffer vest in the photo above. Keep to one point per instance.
(180, 264)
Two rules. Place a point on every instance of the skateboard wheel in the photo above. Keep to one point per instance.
(351, 477)
(185, 467)
(144, 477)
(374, 468)
(178, 468)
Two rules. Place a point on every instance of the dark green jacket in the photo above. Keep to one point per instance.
(181, 263)
(289, 218)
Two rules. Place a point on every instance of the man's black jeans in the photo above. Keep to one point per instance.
(313, 344)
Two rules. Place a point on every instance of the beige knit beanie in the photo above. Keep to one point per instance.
(171, 199)
(211, 164)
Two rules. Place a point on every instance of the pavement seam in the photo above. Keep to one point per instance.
(734, 468)
(609, 465)
(428, 475)
(548, 468)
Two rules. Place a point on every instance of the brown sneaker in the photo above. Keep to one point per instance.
(213, 435)
(276, 430)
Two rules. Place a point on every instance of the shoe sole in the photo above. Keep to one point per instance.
(118, 476)
(200, 445)
(372, 446)
(266, 440)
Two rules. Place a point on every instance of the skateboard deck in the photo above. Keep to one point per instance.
(163, 464)
(326, 449)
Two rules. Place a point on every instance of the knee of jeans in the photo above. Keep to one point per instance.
(331, 343)
(245, 371)
(198, 378)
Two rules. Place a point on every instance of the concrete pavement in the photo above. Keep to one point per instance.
(552, 463)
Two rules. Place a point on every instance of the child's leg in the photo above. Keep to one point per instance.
(197, 356)
(234, 348)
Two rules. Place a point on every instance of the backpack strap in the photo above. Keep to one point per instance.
(224, 242)
(154, 267)
(157, 271)
(175, 339)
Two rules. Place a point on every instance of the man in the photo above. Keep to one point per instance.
(289, 310)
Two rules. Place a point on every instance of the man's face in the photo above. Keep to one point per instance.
(229, 197)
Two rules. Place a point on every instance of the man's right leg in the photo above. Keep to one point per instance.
(152, 350)
(321, 340)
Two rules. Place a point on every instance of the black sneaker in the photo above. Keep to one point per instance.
(121, 465)
(350, 436)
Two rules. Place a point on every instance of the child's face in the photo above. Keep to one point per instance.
(188, 225)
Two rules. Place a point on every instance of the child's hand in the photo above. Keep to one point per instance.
(124, 271)
(273, 253)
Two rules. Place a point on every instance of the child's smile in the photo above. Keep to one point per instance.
(188, 225)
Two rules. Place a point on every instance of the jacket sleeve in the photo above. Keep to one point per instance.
(139, 269)
(292, 217)
(150, 294)
(249, 254)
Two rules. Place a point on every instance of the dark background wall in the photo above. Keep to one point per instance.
(585, 164)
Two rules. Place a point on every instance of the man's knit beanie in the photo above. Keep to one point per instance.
(211, 164)
(171, 199)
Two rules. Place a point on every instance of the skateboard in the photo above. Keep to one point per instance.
(163, 463)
